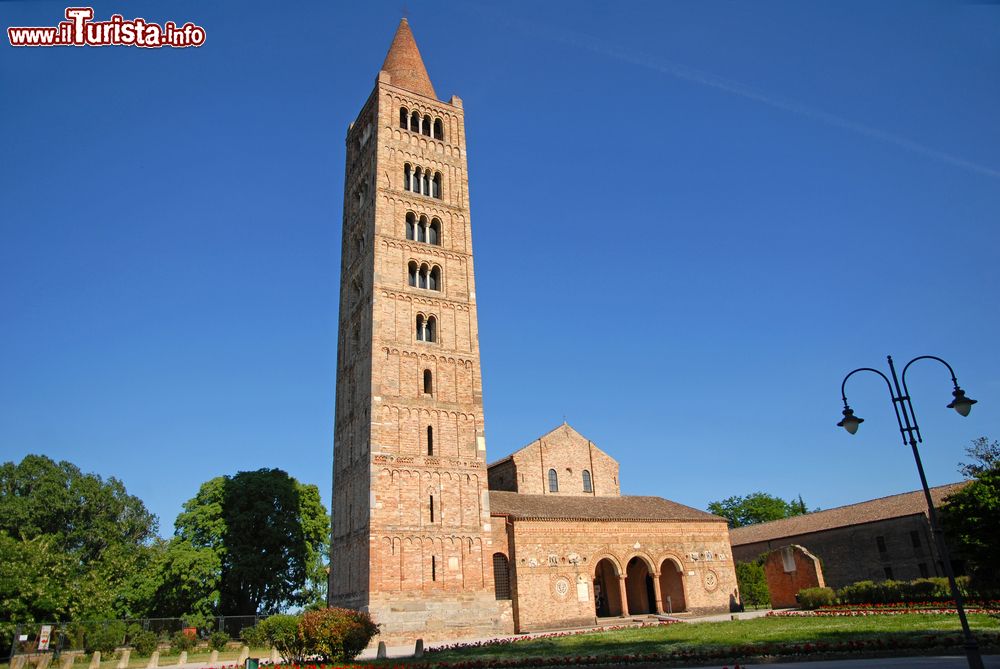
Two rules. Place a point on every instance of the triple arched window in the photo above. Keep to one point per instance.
(422, 230)
(422, 125)
(421, 181)
(553, 481)
(426, 328)
(424, 276)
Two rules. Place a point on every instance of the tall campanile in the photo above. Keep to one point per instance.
(411, 536)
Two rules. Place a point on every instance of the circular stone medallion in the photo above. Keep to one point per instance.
(711, 580)
(561, 586)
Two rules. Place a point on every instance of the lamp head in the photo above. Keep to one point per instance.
(961, 403)
(850, 422)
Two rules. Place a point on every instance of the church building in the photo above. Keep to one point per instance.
(427, 537)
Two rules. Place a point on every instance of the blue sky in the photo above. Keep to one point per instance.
(690, 221)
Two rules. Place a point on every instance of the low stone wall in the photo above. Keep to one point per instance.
(407, 616)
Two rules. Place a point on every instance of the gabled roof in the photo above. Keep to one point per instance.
(404, 64)
(565, 427)
(584, 507)
(883, 508)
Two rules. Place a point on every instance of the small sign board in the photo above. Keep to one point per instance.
(43, 637)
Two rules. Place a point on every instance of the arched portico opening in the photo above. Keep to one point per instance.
(672, 587)
(607, 593)
(639, 587)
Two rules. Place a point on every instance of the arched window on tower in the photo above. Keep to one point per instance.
(412, 274)
(430, 440)
(406, 177)
(415, 122)
(553, 481)
(501, 576)
(427, 183)
(588, 485)
(438, 129)
(421, 327)
(436, 191)
(423, 276)
(418, 177)
(422, 230)
(426, 129)
(435, 279)
(434, 232)
(403, 118)
(430, 333)
(428, 382)
(411, 225)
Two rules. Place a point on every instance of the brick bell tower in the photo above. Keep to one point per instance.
(411, 538)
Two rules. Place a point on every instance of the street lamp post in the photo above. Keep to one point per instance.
(907, 420)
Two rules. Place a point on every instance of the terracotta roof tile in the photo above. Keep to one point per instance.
(883, 508)
(585, 507)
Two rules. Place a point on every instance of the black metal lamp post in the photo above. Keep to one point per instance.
(907, 420)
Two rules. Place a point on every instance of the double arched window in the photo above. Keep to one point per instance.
(426, 328)
(422, 230)
(424, 276)
(422, 125)
(423, 182)
(553, 481)
(588, 484)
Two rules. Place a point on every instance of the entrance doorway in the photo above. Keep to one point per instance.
(639, 586)
(607, 595)
(672, 587)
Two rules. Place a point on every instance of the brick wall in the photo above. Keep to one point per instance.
(788, 570)
(850, 554)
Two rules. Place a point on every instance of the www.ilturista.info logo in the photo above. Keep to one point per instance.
(81, 30)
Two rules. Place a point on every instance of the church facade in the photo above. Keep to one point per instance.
(427, 537)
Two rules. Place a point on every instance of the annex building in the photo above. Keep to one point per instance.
(888, 538)
(427, 537)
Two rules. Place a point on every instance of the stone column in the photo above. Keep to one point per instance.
(44, 660)
(274, 656)
(17, 662)
(66, 661)
(624, 596)
(95, 661)
(244, 654)
(183, 657)
(123, 660)
(154, 660)
(213, 658)
(656, 592)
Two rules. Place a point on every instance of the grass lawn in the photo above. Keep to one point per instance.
(704, 636)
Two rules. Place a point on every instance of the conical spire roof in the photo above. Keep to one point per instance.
(404, 64)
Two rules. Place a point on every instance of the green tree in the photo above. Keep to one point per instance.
(752, 583)
(83, 513)
(757, 507)
(269, 534)
(971, 516)
(72, 545)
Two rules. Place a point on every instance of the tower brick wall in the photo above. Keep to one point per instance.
(412, 540)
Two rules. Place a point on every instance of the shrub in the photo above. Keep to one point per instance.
(179, 641)
(752, 583)
(889, 592)
(813, 598)
(145, 643)
(282, 632)
(218, 640)
(104, 638)
(336, 635)
(253, 636)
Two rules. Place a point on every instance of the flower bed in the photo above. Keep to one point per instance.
(552, 635)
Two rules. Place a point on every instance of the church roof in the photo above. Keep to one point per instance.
(586, 507)
(883, 508)
(404, 64)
